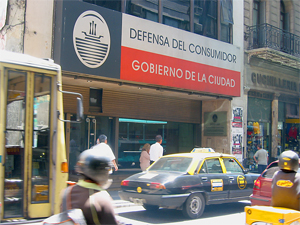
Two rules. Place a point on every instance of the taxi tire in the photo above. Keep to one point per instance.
(150, 207)
(194, 206)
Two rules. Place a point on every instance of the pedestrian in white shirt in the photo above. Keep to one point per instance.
(105, 150)
(156, 150)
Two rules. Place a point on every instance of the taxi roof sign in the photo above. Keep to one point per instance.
(202, 150)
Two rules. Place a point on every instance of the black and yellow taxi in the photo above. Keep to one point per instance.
(189, 182)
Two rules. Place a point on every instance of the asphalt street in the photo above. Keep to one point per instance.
(128, 213)
(118, 203)
(223, 214)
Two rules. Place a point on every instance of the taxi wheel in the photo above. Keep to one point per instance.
(194, 206)
(151, 207)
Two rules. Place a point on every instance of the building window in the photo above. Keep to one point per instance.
(211, 18)
(114, 5)
(258, 19)
(176, 13)
(226, 33)
(226, 20)
(206, 19)
(284, 17)
(143, 9)
(258, 12)
(226, 12)
(255, 18)
(95, 100)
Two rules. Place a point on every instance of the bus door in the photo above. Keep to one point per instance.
(27, 144)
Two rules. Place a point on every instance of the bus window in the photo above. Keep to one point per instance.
(41, 136)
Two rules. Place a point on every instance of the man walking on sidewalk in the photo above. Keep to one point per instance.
(156, 150)
(105, 150)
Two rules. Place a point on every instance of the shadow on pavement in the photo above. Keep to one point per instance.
(172, 216)
(224, 209)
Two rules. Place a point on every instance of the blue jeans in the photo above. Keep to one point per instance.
(261, 168)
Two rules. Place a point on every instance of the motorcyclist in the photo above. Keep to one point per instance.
(89, 194)
(286, 182)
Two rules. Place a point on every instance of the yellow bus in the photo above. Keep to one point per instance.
(33, 161)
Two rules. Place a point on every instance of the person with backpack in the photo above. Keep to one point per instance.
(89, 194)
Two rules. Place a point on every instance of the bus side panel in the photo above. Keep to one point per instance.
(59, 152)
(3, 94)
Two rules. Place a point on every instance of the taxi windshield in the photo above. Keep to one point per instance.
(179, 164)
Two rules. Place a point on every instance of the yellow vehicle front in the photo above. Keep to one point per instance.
(33, 162)
(267, 215)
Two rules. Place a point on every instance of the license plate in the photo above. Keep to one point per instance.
(138, 201)
(261, 223)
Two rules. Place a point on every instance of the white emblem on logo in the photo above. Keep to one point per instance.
(91, 39)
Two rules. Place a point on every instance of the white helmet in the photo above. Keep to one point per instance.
(289, 161)
(94, 166)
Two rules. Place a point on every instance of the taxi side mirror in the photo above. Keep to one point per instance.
(246, 171)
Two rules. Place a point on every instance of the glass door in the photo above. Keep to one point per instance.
(14, 145)
(91, 130)
(27, 144)
(40, 151)
(84, 136)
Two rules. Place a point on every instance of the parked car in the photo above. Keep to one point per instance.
(262, 190)
(189, 182)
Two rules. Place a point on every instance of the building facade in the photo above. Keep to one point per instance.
(144, 68)
(272, 76)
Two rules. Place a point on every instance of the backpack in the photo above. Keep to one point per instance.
(68, 216)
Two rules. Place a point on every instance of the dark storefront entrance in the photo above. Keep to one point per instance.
(133, 134)
(84, 135)
(259, 127)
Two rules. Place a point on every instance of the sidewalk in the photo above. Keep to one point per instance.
(117, 202)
